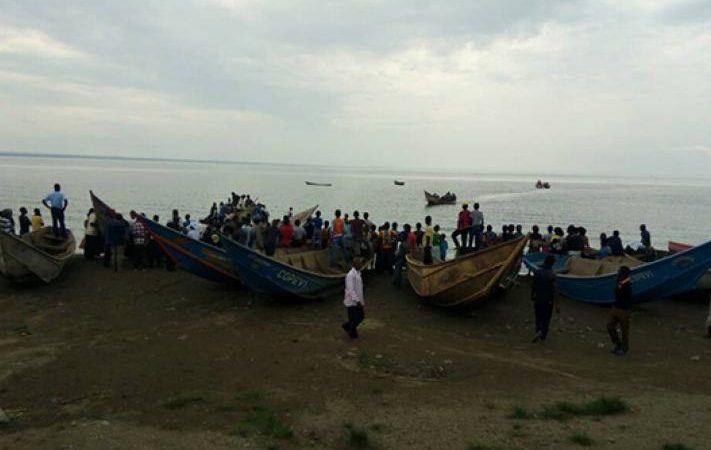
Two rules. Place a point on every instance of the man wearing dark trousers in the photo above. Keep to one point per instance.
(544, 298)
(57, 203)
(353, 300)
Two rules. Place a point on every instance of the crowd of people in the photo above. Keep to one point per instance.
(356, 239)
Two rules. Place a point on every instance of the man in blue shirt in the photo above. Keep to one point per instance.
(57, 203)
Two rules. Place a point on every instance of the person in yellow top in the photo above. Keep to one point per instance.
(37, 222)
(427, 241)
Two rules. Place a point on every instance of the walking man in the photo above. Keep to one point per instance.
(544, 299)
(353, 300)
(620, 312)
(57, 202)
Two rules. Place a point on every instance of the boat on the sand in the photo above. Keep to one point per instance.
(313, 183)
(593, 281)
(35, 255)
(467, 279)
(435, 199)
(191, 255)
(305, 274)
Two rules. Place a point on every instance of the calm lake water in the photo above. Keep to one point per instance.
(672, 209)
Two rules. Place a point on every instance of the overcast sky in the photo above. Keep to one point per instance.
(601, 87)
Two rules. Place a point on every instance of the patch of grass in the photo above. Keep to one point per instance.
(581, 439)
(262, 419)
(357, 437)
(181, 402)
(519, 413)
(602, 406)
(259, 416)
(676, 446)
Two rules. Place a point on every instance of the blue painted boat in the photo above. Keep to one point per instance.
(305, 274)
(593, 281)
(191, 255)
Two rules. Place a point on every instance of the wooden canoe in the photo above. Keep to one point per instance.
(466, 279)
(676, 247)
(313, 183)
(434, 199)
(103, 212)
(399, 183)
(304, 274)
(36, 255)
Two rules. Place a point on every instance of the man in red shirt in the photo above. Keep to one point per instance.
(464, 224)
(357, 225)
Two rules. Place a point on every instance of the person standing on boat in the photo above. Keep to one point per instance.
(615, 244)
(543, 294)
(620, 312)
(353, 299)
(317, 223)
(427, 239)
(464, 221)
(475, 236)
(646, 238)
(57, 203)
(25, 222)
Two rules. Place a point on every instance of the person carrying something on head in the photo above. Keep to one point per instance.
(57, 203)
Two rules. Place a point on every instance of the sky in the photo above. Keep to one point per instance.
(559, 87)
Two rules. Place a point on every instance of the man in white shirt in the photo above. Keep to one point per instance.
(353, 299)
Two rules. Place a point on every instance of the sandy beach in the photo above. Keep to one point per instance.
(166, 360)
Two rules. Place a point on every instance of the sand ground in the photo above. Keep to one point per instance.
(100, 360)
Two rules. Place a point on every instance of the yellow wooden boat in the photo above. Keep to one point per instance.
(466, 279)
(36, 255)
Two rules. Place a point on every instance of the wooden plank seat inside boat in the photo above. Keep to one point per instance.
(584, 267)
(316, 261)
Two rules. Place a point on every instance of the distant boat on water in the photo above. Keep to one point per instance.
(435, 199)
(399, 183)
(542, 185)
(313, 183)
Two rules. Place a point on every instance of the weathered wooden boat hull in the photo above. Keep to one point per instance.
(467, 279)
(273, 276)
(193, 256)
(311, 183)
(663, 278)
(35, 256)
